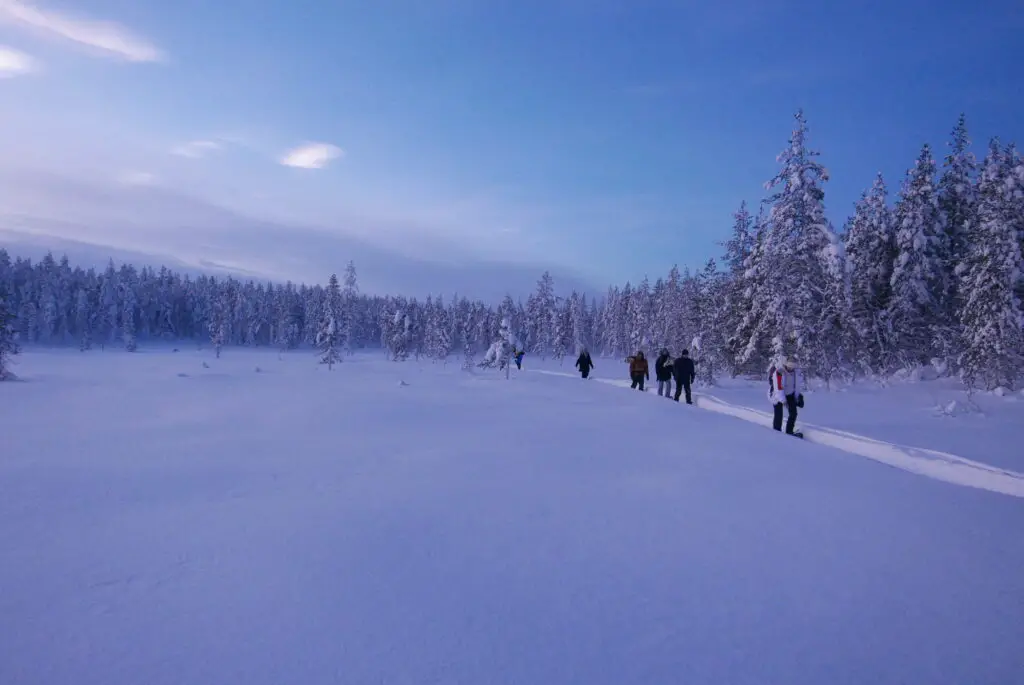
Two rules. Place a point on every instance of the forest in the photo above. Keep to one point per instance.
(931, 277)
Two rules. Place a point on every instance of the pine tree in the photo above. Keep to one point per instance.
(128, 318)
(329, 338)
(958, 203)
(8, 343)
(918, 281)
(736, 302)
(795, 299)
(83, 319)
(220, 319)
(991, 310)
(350, 299)
(871, 254)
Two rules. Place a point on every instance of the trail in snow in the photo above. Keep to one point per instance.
(943, 466)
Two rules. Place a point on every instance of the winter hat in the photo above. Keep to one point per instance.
(686, 353)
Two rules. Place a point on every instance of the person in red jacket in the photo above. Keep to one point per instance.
(638, 370)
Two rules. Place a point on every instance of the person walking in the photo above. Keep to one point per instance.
(685, 373)
(663, 373)
(786, 389)
(584, 363)
(638, 370)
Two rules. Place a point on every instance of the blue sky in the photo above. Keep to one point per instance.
(606, 139)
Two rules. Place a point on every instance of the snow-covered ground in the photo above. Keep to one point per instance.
(162, 522)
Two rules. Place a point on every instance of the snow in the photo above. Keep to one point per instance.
(412, 523)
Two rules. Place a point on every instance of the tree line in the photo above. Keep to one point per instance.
(933, 277)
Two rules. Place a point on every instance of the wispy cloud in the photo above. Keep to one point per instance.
(197, 148)
(15, 63)
(312, 156)
(136, 178)
(106, 36)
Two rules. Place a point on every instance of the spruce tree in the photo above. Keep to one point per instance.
(916, 310)
(958, 203)
(991, 313)
(871, 255)
(329, 335)
(800, 304)
(8, 342)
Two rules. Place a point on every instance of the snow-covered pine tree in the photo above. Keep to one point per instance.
(499, 354)
(8, 343)
(708, 346)
(219, 321)
(916, 310)
(991, 312)
(871, 255)
(128, 317)
(797, 304)
(958, 203)
(350, 299)
(753, 338)
(640, 312)
(110, 303)
(329, 336)
(398, 336)
(735, 303)
(83, 319)
(540, 317)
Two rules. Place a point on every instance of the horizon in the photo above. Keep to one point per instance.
(468, 143)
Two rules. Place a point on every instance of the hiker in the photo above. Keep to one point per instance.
(663, 373)
(785, 387)
(518, 356)
(685, 373)
(638, 370)
(584, 363)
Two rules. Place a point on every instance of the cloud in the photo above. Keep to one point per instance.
(154, 225)
(312, 156)
(106, 36)
(136, 178)
(15, 63)
(197, 148)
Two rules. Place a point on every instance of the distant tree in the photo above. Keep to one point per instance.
(83, 319)
(128, 319)
(8, 342)
(330, 337)
(350, 315)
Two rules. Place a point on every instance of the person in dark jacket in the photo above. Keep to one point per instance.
(685, 373)
(584, 363)
(638, 370)
(663, 373)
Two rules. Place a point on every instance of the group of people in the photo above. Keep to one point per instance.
(665, 368)
(785, 381)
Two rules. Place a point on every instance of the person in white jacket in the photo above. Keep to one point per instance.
(785, 387)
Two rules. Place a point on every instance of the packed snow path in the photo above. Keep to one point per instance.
(931, 463)
(300, 525)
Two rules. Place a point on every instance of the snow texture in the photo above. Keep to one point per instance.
(252, 529)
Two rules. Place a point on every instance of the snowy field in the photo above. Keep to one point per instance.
(166, 523)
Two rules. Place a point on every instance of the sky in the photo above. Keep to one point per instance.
(602, 140)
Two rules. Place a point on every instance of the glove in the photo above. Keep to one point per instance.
(800, 401)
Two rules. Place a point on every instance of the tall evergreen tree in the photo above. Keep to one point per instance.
(329, 335)
(991, 313)
(918, 281)
(958, 203)
(797, 305)
(871, 255)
